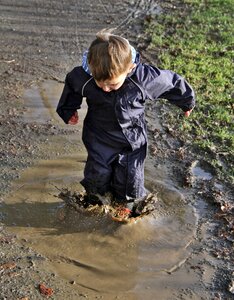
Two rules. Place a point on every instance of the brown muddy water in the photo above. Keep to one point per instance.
(99, 256)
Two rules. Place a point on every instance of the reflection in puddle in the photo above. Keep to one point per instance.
(92, 250)
(199, 172)
(97, 253)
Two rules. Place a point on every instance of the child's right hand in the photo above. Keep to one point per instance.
(74, 119)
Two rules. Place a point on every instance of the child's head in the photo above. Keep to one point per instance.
(110, 60)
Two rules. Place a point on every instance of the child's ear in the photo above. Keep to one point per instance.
(133, 66)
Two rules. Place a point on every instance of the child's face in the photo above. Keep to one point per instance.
(114, 83)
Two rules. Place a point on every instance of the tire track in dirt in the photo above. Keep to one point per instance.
(50, 36)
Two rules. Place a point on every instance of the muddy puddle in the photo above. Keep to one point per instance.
(200, 171)
(41, 100)
(91, 251)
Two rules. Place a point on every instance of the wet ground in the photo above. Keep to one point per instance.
(90, 249)
(180, 251)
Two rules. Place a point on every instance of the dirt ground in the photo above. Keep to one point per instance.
(43, 40)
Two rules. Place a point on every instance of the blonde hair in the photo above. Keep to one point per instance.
(109, 56)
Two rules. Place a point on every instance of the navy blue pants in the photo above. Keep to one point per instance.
(113, 167)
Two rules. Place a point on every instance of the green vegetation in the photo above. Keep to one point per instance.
(195, 39)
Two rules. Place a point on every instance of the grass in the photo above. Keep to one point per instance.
(195, 39)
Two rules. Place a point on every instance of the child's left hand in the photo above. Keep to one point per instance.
(187, 113)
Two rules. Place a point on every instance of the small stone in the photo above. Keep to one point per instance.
(231, 287)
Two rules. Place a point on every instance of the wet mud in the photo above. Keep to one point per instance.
(181, 250)
(89, 248)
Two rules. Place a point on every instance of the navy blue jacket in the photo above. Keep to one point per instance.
(123, 110)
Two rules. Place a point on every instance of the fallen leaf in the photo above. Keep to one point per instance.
(45, 290)
(8, 266)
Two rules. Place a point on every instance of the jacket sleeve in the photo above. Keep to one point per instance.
(169, 85)
(69, 101)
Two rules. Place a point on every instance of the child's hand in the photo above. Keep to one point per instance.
(187, 113)
(74, 119)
